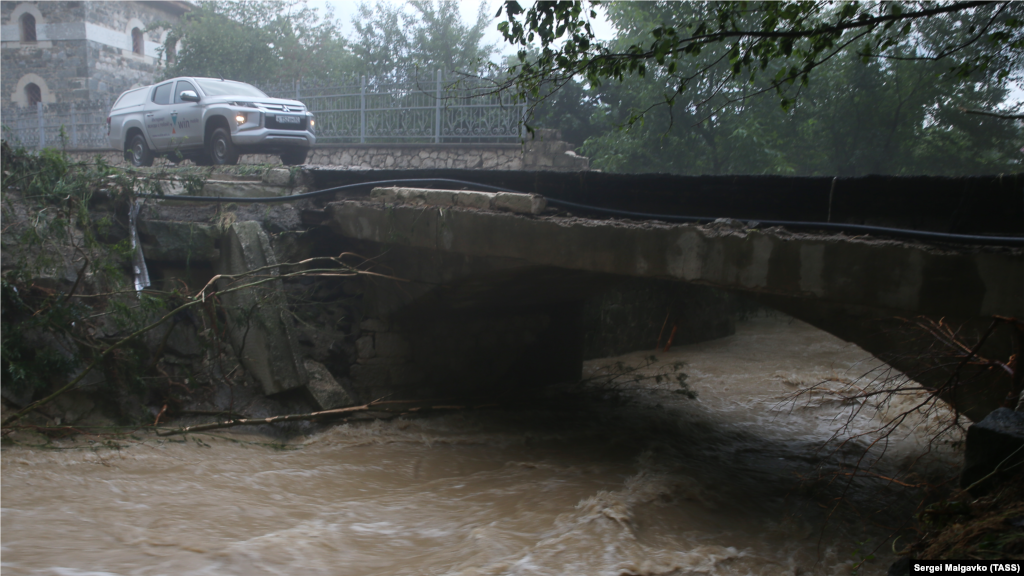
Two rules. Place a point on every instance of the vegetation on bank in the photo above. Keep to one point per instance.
(64, 236)
(963, 527)
(76, 328)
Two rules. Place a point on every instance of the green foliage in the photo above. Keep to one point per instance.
(391, 42)
(899, 115)
(61, 239)
(285, 40)
(27, 368)
(257, 41)
(780, 43)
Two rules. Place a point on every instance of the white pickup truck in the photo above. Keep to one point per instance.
(208, 121)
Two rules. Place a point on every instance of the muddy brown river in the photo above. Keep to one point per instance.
(639, 480)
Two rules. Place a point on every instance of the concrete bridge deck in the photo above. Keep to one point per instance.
(479, 264)
(900, 277)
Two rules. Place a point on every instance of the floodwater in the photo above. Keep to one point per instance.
(636, 479)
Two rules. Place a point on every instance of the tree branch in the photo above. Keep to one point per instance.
(993, 114)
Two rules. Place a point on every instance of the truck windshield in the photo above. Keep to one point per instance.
(228, 88)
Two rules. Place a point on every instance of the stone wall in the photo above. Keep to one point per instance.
(113, 70)
(545, 152)
(83, 49)
(413, 156)
(633, 316)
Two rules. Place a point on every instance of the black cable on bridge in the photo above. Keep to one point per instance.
(856, 229)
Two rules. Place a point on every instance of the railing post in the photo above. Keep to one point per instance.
(74, 127)
(362, 109)
(42, 125)
(522, 121)
(437, 111)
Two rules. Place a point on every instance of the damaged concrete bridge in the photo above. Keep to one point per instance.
(494, 286)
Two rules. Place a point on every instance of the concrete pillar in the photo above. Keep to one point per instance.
(257, 317)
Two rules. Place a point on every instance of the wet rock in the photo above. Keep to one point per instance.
(179, 241)
(327, 392)
(278, 177)
(391, 345)
(364, 347)
(183, 341)
(995, 442)
(227, 189)
(73, 407)
(900, 567)
(373, 325)
(519, 203)
(728, 223)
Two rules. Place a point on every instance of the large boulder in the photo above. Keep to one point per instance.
(994, 451)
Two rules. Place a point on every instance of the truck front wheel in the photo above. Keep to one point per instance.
(222, 150)
(139, 152)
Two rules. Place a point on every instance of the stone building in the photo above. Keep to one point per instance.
(65, 52)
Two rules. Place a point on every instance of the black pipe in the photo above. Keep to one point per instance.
(824, 226)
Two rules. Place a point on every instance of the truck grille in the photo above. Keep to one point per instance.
(273, 124)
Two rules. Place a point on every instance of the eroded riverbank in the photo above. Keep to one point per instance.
(645, 481)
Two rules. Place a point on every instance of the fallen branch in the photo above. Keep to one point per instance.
(270, 420)
(378, 404)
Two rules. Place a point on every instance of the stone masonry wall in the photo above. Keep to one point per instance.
(114, 70)
(67, 65)
(63, 68)
(63, 65)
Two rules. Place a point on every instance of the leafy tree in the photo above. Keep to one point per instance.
(442, 41)
(391, 42)
(257, 41)
(752, 38)
(381, 45)
(853, 120)
(896, 115)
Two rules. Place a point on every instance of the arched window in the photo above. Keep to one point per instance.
(28, 28)
(33, 95)
(138, 44)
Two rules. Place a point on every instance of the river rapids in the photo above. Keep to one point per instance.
(630, 476)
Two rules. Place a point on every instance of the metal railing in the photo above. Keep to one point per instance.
(76, 125)
(429, 109)
(362, 110)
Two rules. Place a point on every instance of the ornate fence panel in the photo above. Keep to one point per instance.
(425, 109)
(75, 125)
(420, 109)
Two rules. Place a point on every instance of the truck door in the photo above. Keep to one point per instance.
(158, 117)
(186, 119)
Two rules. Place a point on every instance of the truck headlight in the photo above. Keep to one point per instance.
(240, 118)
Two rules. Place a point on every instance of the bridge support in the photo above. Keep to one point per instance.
(256, 317)
(900, 344)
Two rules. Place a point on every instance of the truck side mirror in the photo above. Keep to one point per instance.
(189, 96)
